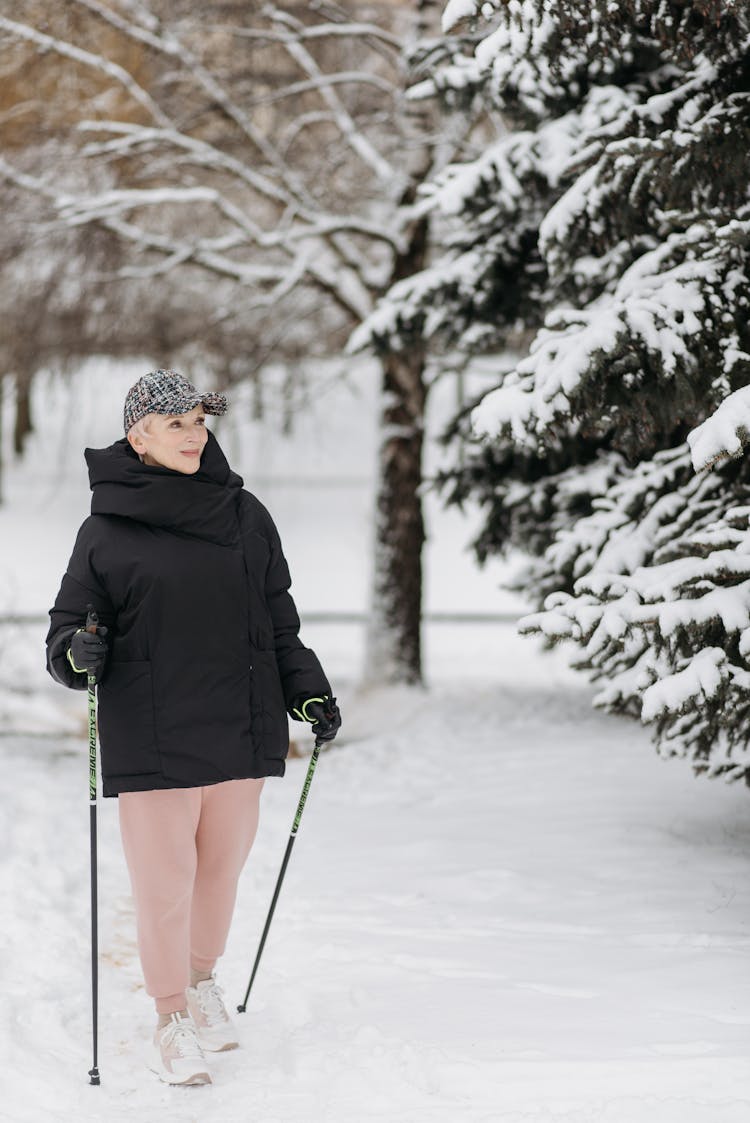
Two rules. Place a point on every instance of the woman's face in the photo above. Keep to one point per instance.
(173, 441)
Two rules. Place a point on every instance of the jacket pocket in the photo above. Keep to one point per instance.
(268, 708)
(126, 720)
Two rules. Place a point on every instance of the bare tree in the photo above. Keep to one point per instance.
(278, 156)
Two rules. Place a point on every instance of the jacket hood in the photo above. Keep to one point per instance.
(203, 504)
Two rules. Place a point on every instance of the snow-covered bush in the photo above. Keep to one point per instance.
(607, 231)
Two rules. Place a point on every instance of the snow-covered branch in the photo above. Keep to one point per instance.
(75, 210)
(203, 154)
(311, 223)
(284, 185)
(354, 136)
(311, 263)
(725, 433)
(143, 34)
(579, 345)
(317, 31)
(86, 58)
(456, 11)
(211, 255)
(168, 43)
(319, 82)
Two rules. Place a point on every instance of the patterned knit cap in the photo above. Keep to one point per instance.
(166, 391)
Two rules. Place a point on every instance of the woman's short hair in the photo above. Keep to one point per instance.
(142, 427)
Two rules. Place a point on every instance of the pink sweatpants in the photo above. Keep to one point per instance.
(185, 849)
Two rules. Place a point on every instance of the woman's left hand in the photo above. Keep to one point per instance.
(325, 715)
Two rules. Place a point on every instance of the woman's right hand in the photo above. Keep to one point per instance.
(88, 651)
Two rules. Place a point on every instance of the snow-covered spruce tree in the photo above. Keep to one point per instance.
(611, 224)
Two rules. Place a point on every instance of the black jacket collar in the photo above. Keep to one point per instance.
(203, 504)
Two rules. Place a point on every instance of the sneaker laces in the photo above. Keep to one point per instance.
(212, 1004)
(183, 1035)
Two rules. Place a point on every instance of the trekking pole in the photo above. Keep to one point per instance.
(92, 621)
(300, 808)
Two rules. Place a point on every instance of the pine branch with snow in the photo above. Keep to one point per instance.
(660, 605)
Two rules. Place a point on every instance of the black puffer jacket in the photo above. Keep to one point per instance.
(188, 574)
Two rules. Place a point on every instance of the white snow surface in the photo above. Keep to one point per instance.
(724, 433)
(457, 10)
(502, 906)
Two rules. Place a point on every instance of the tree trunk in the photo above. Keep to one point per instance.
(394, 640)
(23, 425)
(393, 644)
(2, 444)
(394, 636)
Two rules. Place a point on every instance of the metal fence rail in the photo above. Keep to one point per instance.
(332, 618)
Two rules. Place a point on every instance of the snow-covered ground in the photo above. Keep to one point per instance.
(502, 907)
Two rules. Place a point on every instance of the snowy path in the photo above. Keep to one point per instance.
(507, 910)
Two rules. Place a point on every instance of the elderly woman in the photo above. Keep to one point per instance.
(198, 660)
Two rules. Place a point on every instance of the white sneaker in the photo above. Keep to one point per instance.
(176, 1055)
(216, 1030)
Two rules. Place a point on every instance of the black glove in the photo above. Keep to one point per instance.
(88, 651)
(323, 712)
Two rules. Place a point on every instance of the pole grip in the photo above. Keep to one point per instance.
(92, 621)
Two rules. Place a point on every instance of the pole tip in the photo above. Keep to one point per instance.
(94, 1074)
(241, 1008)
